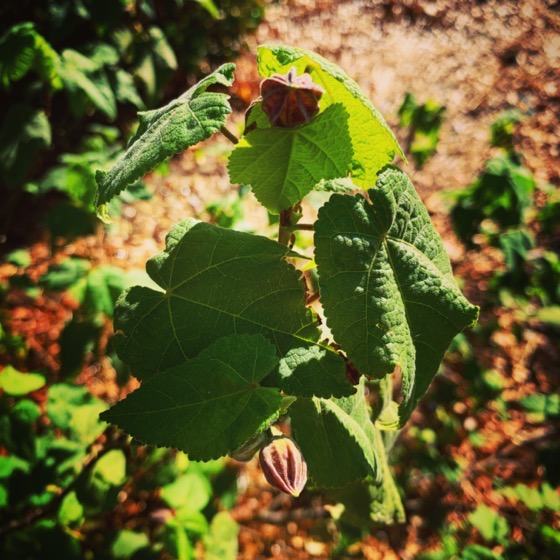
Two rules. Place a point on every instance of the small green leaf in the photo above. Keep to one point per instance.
(221, 541)
(17, 383)
(62, 276)
(336, 438)
(282, 165)
(221, 282)
(81, 75)
(544, 405)
(207, 406)
(191, 490)
(17, 51)
(22, 49)
(111, 467)
(386, 284)
(20, 258)
(128, 542)
(491, 525)
(191, 118)
(65, 401)
(71, 511)
(25, 131)
(373, 142)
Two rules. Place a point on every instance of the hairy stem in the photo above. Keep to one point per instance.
(303, 227)
(229, 135)
(284, 231)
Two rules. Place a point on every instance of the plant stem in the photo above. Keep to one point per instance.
(284, 227)
(306, 227)
(229, 135)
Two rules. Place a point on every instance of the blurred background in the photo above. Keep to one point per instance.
(472, 91)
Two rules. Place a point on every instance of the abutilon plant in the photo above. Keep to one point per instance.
(226, 346)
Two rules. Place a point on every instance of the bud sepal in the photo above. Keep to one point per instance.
(247, 451)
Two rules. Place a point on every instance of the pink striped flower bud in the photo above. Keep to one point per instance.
(283, 465)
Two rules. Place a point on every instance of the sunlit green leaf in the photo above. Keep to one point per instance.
(263, 294)
(386, 284)
(208, 406)
(282, 165)
(17, 383)
(373, 142)
(336, 438)
(191, 118)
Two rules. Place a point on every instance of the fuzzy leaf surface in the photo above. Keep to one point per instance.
(207, 406)
(185, 121)
(336, 437)
(373, 143)
(219, 282)
(282, 165)
(386, 284)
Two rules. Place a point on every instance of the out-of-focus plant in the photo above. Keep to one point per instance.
(71, 487)
(424, 122)
(67, 68)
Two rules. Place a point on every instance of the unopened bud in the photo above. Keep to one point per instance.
(283, 465)
(249, 448)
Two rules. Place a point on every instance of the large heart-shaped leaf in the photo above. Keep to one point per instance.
(386, 284)
(207, 406)
(219, 282)
(282, 165)
(373, 142)
(191, 118)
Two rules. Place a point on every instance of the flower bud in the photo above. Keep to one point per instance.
(249, 448)
(290, 100)
(283, 465)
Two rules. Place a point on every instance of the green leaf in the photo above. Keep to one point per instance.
(546, 406)
(111, 467)
(22, 49)
(336, 438)
(210, 7)
(386, 284)
(17, 51)
(367, 504)
(282, 165)
(125, 89)
(71, 512)
(386, 505)
(81, 74)
(17, 383)
(221, 282)
(191, 118)
(104, 285)
(19, 257)
(479, 552)
(85, 426)
(192, 490)
(65, 274)
(128, 542)
(25, 131)
(373, 143)
(63, 402)
(193, 520)
(221, 542)
(10, 464)
(491, 525)
(176, 541)
(207, 406)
